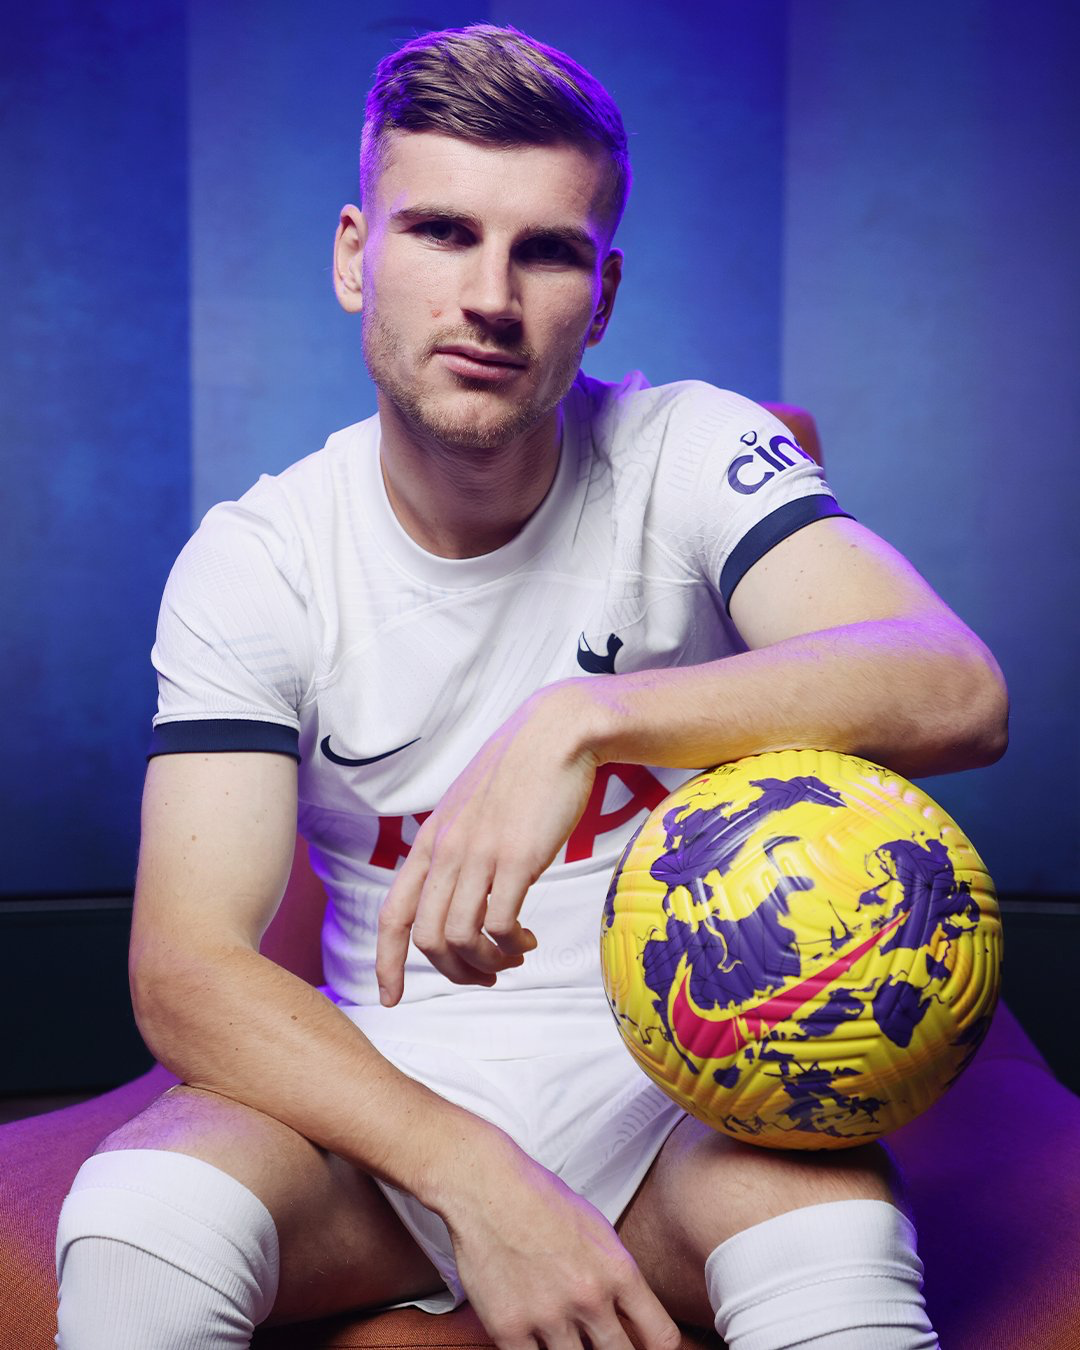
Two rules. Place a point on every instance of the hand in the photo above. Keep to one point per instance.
(541, 1265)
(500, 824)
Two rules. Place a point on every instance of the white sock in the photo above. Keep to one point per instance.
(161, 1251)
(839, 1276)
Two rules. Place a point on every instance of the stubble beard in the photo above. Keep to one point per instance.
(501, 423)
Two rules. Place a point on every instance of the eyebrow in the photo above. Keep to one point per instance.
(567, 234)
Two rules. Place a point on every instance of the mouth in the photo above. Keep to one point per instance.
(480, 363)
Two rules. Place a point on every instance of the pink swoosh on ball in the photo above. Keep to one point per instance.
(717, 1038)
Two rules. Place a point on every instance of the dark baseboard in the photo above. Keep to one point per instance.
(1042, 938)
(64, 993)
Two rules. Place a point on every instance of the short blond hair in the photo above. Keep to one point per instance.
(497, 86)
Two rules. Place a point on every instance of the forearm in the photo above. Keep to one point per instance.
(919, 696)
(229, 1021)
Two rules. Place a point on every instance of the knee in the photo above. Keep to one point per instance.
(784, 1181)
(868, 1172)
(730, 1186)
(147, 1235)
(182, 1116)
(880, 1166)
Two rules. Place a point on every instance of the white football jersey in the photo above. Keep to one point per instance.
(302, 619)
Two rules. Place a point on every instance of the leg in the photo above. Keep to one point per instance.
(341, 1246)
(784, 1248)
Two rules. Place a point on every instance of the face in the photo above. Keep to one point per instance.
(482, 274)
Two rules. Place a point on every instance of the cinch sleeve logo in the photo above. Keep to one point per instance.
(744, 472)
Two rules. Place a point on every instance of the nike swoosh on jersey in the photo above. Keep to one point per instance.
(324, 746)
(717, 1038)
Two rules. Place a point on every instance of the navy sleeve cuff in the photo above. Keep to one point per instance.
(767, 533)
(223, 733)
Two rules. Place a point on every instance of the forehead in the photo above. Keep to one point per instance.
(538, 184)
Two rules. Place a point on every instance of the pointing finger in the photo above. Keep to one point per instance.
(396, 918)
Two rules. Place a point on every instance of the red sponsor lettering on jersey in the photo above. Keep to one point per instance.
(646, 793)
(390, 846)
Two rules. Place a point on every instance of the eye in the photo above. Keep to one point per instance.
(439, 230)
(548, 248)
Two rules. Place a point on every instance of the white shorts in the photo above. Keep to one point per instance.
(588, 1113)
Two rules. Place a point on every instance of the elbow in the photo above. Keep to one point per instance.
(152, 1003)
(989, 731)
(169, 998)
(978, 730)
(959, 718)
(998, 728)
(990, 699)
(187, 995)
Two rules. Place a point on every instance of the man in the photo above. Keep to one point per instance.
(508, 613)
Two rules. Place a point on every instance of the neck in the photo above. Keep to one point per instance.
(461, 502)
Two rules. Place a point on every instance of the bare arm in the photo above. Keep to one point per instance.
(217, 842)
(850, 650)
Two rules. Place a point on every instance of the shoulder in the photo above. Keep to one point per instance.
(287, 515)
(694, 439)
(687, 413)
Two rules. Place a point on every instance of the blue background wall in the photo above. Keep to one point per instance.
(868, 209)
(94, 426)
(932, 322)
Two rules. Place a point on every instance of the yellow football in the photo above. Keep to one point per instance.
(802, 949)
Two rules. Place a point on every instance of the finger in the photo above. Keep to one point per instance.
(396, 917)
(465, 918)
(508, 890)
(515, 1341)
(518, 942)
(390, 964)
(607, 1333)
(649, 1321)
(458, 971)
(566, 1337)
(464, 926)
(448, 926)
(433, 910)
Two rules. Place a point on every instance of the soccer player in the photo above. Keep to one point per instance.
(467, 646)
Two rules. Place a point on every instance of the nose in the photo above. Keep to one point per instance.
(489, 289)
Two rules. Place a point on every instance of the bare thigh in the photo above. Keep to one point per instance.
(704, 1187)
(342, 1246)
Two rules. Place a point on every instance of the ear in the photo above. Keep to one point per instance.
(610, 276)
(349, 258)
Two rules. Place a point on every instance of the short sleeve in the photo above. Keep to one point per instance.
(742, 483)
(233, 652)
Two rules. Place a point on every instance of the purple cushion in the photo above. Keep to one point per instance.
(993, 1171)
